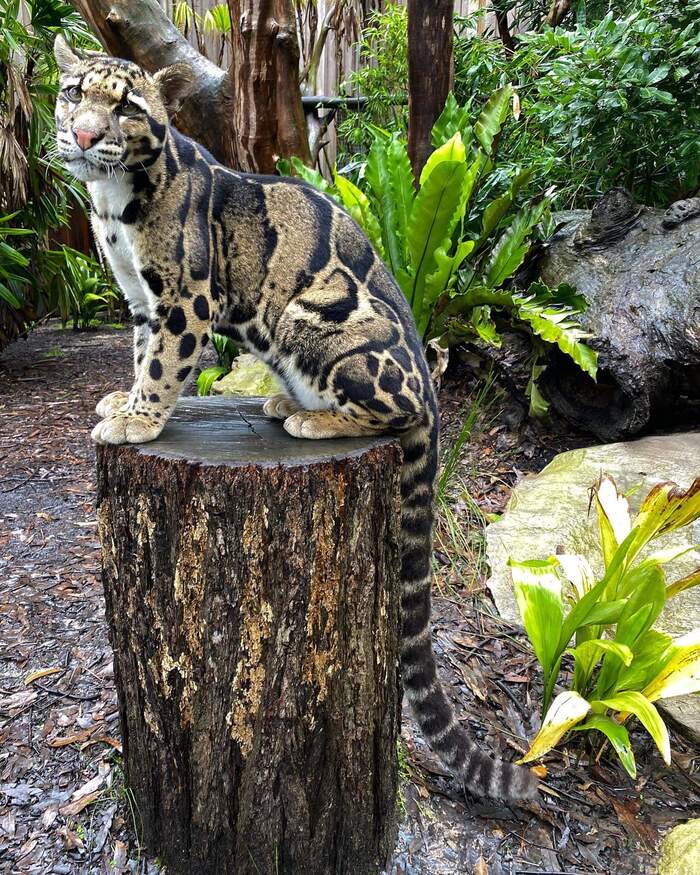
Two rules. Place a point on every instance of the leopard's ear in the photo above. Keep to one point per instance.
(175, 83)
(66, 58)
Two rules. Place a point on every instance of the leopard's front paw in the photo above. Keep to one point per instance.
(126, 428)
(111, 404)
(280, 406)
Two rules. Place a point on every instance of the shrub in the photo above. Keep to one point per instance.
(615, 103)
(621, 664)
(455, 245)
(611, 101)
(36, 193)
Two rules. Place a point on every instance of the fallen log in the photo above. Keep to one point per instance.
(252, 593)
(639, 270)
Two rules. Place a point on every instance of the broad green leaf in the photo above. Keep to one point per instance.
(681, 674)
(489, 123)
(402, 188)
(441, 280)
(452, 150)
(666, 507)
(539, 406)
(636, 703)
(377, 175)
(208, 377)
(510, 250)
(484, 326)
(645, 603)
(652, 651)
(358, 205)
(596, 646)
(564, 713)
(617, 735)
(556, 326)
(295, 167)
(498, 208)
(452, 119)
(579, 613)
(588, 652)
(690, 580)
(538, 594)
(606, 613)
(613, 516)
(432, 219)
(645, 585)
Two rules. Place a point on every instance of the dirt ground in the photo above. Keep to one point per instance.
(63, 805)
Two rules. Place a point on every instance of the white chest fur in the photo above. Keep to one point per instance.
(117, 240)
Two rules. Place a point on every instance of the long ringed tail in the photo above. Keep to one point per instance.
(481, 774)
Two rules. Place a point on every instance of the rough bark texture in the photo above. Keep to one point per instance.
(268, 114)
(429, 72)
(246, 117)
(252, 596)
(643, 293)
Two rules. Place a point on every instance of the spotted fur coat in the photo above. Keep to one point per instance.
(286, 273)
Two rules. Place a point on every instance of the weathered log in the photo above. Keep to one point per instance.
(252, 590)
(640, 273)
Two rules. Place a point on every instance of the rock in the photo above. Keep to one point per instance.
(249, 377)
(550, 510)
(639, 270)
(680, 850)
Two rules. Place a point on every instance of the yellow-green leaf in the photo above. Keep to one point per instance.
(618, 735)
(452, 150)
(690, 580)
(667, 507)
(613, 516)
(538, 594)
(636, 703)
(566, 711)
(359, 207)
(594, 646)
(681, 674)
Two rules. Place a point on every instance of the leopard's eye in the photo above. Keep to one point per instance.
(128, 109)
(73, 93)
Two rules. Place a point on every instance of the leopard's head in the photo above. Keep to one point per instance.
(112, 116)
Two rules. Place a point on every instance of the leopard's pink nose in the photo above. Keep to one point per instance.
(85, 139)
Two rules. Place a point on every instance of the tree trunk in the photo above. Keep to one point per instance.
(252, 589)
(265, 81)
(558, 11)
(429, 72)
(257, 101)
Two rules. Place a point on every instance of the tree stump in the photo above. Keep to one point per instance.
(252, 590)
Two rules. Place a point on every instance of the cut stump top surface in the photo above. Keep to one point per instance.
(234, 432)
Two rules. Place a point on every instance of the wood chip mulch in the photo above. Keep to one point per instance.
(63, 805)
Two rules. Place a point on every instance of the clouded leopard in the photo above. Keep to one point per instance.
(285, 272)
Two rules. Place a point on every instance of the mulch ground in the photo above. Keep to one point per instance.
(63, 805)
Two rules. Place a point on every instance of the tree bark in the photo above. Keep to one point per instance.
(504, 33)
(252, 590)
(641, 280)
(430, 69)
(264, 74)
(246, 117)
(558, 12)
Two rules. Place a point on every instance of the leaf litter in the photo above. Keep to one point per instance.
(63, 808)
